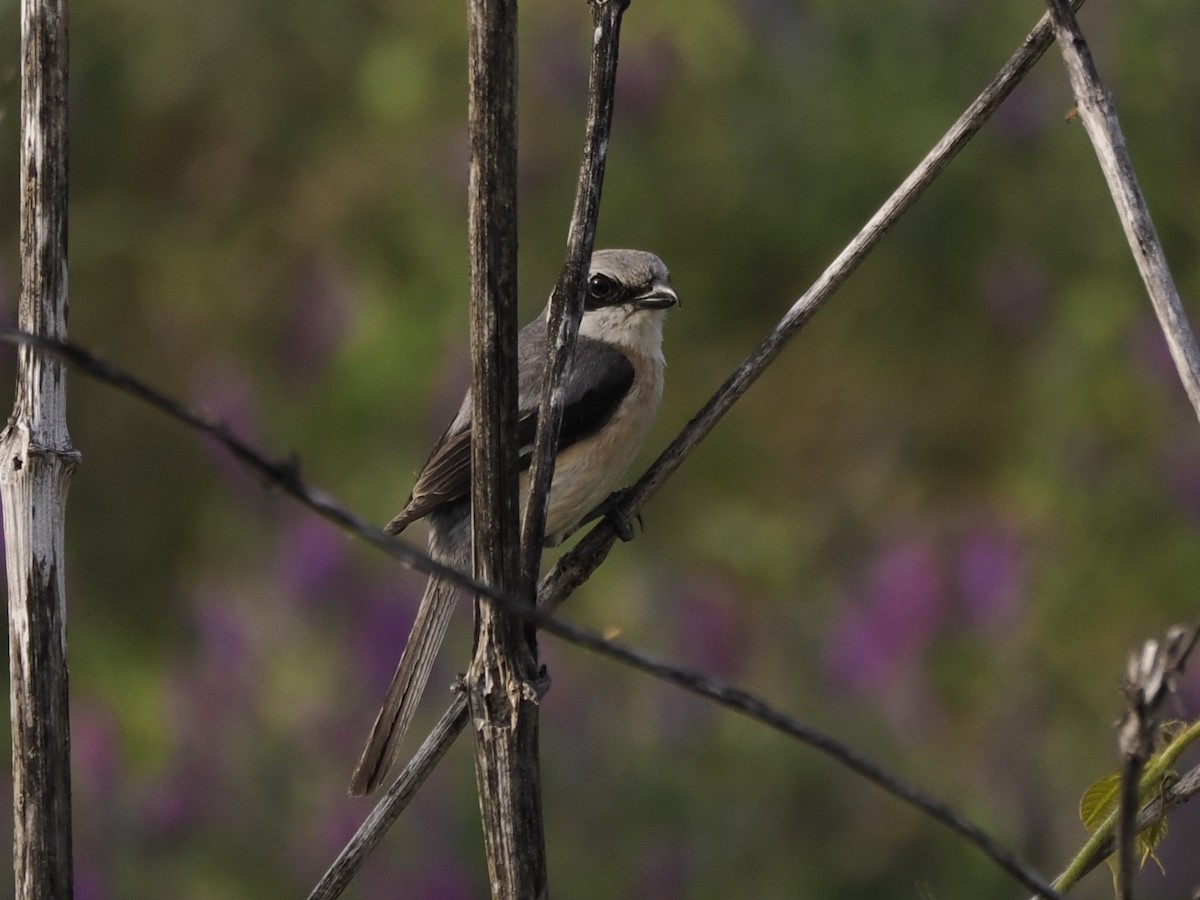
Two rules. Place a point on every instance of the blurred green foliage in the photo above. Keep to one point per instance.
(935, 527)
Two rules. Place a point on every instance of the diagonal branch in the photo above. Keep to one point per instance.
(1100, 120)
(575, 568)
(566, 302)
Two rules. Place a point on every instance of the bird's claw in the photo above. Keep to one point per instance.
(610, 509)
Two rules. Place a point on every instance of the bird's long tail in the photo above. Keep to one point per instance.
(406, 688)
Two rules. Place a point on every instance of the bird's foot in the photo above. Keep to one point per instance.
(611, 509)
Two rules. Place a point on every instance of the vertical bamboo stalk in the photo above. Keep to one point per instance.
(503, 705)
(37, 463)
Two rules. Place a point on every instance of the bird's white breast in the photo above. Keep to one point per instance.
(587, 472)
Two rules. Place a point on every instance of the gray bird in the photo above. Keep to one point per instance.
(612, 391)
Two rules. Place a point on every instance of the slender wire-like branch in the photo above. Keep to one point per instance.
(566, 301)
(282, 475)
(555, 587)
(1099, 118)
(393, 802)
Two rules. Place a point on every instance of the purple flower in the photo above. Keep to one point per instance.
(645, 81)
(710, 632)
(1149, 353)
(90, 883)
(384, 622)
(95, 753)
(312, 557)
(173, 806)
(902, 607)
(226, 394)
(1023, 117)
(663, 874)
(1181, 467)
(991, 574)
(317, 322)
(445, 879)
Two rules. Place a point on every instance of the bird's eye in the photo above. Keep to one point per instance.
(601, 289)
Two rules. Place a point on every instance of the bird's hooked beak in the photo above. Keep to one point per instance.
(660, 296)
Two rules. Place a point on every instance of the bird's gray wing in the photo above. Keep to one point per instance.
(594, 386)
(600, 377)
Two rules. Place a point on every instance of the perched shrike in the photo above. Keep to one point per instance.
(612, 392)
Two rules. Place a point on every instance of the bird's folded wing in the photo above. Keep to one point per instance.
(595, 385)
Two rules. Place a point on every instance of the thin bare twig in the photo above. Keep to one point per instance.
(1099, 118)
(577, 566)
(1150, 679)
(280, 474)
(566, 301)
(393, 802)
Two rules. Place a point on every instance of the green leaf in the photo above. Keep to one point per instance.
(1149, 839)
(1099, 800)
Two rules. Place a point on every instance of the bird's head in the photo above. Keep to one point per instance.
(626, 298)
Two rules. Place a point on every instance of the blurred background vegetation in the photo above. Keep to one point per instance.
(935, 527)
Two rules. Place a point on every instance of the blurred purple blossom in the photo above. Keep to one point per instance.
(645, 79)
(1016, 289)
(444, 879)
(174, 805)
(383, 623)
(710, 620)
(337, 826)
(214, 691)
(663, 873)
(95, 751)
(901, 608)
(1180, 463)
(1023, 117)
(1149, 353)
(991, 574)
(561, 73)
(223, 634)
(317, 322)
(312, 558)
(90, 881)
(226, 393)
